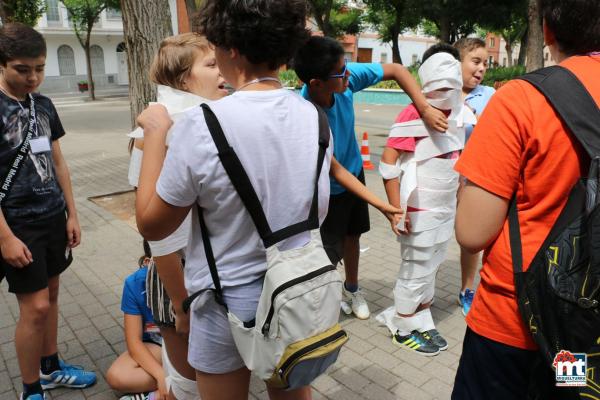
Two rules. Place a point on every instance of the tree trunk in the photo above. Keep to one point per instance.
(509, 50)
(145, 24)
(445, 29)
(535, 39)
(523, 47)
(88, 62)
(396, 49)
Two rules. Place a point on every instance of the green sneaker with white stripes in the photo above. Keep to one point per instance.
(416, 342)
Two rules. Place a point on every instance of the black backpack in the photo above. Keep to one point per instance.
(559, 295)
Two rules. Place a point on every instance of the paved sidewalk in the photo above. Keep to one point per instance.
(90, 326)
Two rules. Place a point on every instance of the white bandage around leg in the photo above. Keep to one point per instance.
(395, 323)
(410, 293)
(389, 171)
(182, 388)
(425, 320)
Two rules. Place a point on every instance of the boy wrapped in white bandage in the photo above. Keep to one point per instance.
(417, 167)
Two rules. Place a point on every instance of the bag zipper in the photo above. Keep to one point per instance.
(305, 350)
(287, 285)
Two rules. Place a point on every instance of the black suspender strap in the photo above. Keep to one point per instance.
(243, 186)
(19, 159)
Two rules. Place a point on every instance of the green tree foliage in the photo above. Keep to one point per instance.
(390, 18)
(84, 14)
(334, 18)
(25, 11)
(449, 20)
(512, 27)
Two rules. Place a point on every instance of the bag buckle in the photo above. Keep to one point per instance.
(586, 303)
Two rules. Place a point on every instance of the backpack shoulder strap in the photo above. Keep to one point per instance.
(243, 186)
(578, 110)
(237, 173)
(573, 103)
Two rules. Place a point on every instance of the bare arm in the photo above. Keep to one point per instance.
(433, 117)
(392, 186)
(171, 275)
(138, 351)
(474, 201)
(353, 185)
(64, 180)
(156, 219)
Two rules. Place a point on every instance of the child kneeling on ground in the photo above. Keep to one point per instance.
(139, 370)
(417, 169)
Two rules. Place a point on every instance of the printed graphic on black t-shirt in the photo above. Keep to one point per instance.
(35, 192)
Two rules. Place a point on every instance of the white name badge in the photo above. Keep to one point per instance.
(40, 145)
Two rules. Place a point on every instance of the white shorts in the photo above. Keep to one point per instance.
(410, 293)
(182, 388)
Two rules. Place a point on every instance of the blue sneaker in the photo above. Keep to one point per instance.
(465, 300)
(36, 396)
(71, 376)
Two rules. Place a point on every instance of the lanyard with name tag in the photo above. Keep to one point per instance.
(22, 153)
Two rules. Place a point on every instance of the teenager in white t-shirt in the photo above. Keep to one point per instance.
(275, 135)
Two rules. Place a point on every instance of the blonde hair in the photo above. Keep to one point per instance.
(175, 58)
(467, 45)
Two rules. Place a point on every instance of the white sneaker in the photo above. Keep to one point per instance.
(359, 305)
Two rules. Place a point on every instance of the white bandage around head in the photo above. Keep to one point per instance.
(389, 171)
(441, 70)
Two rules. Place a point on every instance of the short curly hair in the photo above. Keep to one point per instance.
(575, 24)
(264, 31)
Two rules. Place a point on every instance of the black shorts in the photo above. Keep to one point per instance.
(47, 241)
(347, 216)
(491, 370)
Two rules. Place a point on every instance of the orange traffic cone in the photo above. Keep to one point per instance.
(364, 151)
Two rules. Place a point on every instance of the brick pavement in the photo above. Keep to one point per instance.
(90, 322)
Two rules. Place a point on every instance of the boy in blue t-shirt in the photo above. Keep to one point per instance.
(331, 83)
(139, 369)
(473, 56)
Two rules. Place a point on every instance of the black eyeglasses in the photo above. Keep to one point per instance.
(343, 73)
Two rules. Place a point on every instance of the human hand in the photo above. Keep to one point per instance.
(394, 221)
(15, 252)
(73, 231)
(162, 392)
(434, 118)
(182, 323)
(155, 118)
(393, 214)
(407, 226)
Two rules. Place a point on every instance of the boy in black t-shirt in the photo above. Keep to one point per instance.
(38, 220)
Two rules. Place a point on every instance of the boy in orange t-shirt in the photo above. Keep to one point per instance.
(521, 148)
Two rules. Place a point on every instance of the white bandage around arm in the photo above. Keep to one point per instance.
(389, 171)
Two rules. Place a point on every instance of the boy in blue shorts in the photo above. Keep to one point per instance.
(38, 219)
(331, 82)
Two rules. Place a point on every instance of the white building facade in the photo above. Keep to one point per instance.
(65, 60)
(412, 46)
